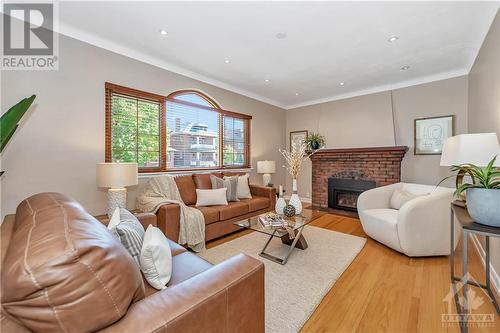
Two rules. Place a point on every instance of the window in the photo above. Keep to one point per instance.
(184, 131)
(133, 127)
(235, 148)
(193, 132)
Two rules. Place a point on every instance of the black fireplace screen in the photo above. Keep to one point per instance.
(343, 193)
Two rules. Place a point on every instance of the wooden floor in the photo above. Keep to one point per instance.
(384, 291)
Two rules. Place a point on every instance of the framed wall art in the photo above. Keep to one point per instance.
(297, 136)
(430, 134)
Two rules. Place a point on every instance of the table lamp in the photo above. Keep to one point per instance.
(266, 168)
(116, 176)
(477, 149)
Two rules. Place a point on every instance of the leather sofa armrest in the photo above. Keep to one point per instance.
(228, 297)
(146, 219)
(168, 217)
(264, 191)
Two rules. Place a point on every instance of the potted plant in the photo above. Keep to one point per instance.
(10, 119)
(483, 192)
(315, 141)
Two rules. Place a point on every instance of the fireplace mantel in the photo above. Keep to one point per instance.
(325, 153)
(379, 164)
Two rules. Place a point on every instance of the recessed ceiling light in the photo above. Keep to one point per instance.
(227, 61)
(281, 35)
(342, 83)
(393, 39)
(297, 94)
(163, 32)
(267, 80)
(405, 67)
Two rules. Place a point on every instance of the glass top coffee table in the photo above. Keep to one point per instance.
(295, 240)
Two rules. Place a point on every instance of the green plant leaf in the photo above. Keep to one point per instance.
(10, 119)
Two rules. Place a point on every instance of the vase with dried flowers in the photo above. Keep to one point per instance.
(294, 159)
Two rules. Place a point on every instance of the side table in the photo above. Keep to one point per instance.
(469, 226)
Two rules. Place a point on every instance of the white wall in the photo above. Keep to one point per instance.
(484, 102)
(62, 137)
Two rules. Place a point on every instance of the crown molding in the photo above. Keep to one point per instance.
(70, 31)
(382, 88)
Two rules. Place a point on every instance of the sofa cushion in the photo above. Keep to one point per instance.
(187, 189)
(232, 174)
(211, 214)
(70, 259)
(185, 266)
(233, 209)
(381, 224)
(202, 180)
(257, 203)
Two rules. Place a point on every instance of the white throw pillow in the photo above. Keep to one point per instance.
(211, 197)
(156, 258)
(243, 190)
(400, 197)
(115, 219)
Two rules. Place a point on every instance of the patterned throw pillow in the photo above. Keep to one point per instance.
(230, 183)
(130, 232)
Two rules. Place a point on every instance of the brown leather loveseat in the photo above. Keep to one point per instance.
(218, 219)
(63, 271)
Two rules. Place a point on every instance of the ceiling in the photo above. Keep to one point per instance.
(326, 43)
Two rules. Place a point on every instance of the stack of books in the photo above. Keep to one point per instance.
(273, 221)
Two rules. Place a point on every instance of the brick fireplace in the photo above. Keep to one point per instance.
(380, 165)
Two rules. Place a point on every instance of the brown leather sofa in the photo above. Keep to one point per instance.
(218, 219)
(62, 270)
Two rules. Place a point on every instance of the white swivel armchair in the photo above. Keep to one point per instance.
(421, 227)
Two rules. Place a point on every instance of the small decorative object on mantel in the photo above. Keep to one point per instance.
(469, 152)
(294, 161)
(280, 203)
(431, 133)
(315, 141)
(289, 210)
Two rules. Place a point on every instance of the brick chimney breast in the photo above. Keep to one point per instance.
(380, 164)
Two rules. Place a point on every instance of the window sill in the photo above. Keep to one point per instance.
(190, 172)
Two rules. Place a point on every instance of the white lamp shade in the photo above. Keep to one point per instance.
(116, 175)
(477, 149)
(266, 167)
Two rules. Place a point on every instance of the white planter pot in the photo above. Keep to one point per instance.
(280, 205)
(294, 199)
(483, 206)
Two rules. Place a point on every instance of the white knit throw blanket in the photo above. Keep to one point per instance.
(162, 190)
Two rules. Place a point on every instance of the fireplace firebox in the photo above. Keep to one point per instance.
(343, 193)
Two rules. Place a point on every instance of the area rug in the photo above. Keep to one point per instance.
(293, 291)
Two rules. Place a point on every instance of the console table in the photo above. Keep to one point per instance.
(469, 226)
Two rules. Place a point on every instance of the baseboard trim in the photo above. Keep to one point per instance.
(302, 199)
(495, 279)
